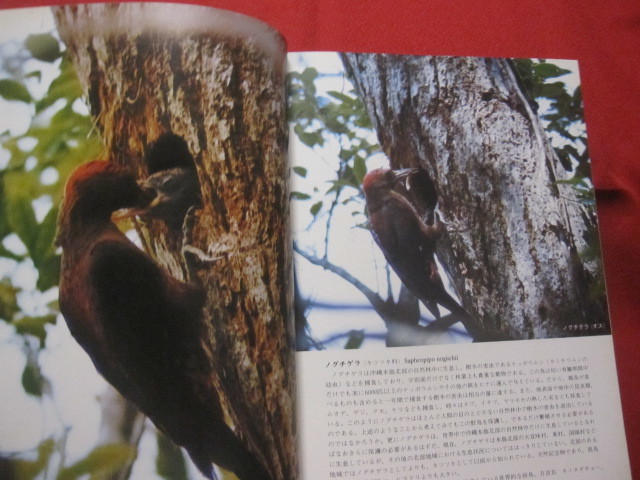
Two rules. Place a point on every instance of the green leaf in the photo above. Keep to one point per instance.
(309, 75)
(102, 462)
(33, 381)
(549, 70)
(341, 96)
(8, 300)
(300, 196)
(359, 169)
(64, 86)
(346, 153)
(35, 326)
(43, 47)
(48, 272)
(29, 469)
(551, 90)
(356, 338)
(170, 462)
(20, 214)
(577, 97)
(44, 255)
(37, 74)
(48, 228)
(301, 171)
(226, 475)
(4, 225)
(315, 208)
(310, 139)
(14, 90)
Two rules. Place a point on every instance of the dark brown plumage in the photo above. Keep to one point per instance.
(141, 327)
(408, 243)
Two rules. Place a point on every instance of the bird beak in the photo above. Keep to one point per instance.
(126, 213)
(403, 173)
(148, 200)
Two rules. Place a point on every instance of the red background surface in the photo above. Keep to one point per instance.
(603, 36)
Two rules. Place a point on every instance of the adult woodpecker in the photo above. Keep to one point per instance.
(142, 328)
(408, 243)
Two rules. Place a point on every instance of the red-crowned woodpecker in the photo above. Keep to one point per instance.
(142, 328)
(408, 243)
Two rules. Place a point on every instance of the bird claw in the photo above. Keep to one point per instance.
(449, 225)
(189, 223)
(195, 253)
(194, 259)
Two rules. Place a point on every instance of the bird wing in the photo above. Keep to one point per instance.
(403, 242)
(125, 285)
(151, 321)
(408, 245)
(123, 276)
(132, 286)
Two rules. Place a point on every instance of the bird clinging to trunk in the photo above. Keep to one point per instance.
(408, 243)
(142, 328)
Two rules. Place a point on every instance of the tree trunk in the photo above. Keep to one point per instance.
(516, 235)
(217, 80)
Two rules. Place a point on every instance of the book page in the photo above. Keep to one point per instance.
(145, 260)
(451, 309)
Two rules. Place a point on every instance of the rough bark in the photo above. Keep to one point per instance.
(516, 236)
(216, 79)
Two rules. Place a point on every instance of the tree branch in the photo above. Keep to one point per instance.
(380, 306)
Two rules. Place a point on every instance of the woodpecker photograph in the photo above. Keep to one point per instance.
(183, 207)
(146, 265)
(441, 200)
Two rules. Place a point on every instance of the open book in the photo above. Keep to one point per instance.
(447, 317)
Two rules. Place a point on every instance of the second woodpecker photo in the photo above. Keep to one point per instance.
(441, 200)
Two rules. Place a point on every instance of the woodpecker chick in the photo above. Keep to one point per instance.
(408, 243)
(142, 328)
(173, 180)
(176, 190)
